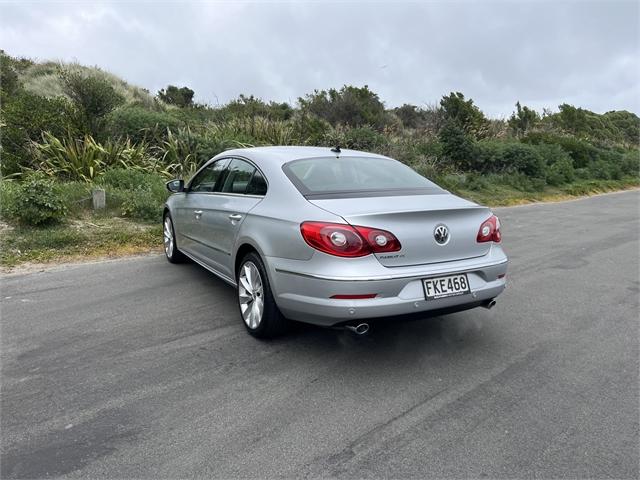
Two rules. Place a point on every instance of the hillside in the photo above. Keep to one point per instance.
(43, 79)
(68, 129)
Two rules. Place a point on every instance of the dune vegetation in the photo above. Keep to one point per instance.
(68, 128)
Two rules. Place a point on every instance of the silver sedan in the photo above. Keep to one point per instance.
(332, 237)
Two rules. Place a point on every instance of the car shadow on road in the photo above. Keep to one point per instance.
(405, 333)
(392, 339)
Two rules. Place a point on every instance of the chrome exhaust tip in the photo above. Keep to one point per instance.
(360, 329)
(489, 304)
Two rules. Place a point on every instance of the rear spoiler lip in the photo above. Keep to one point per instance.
(352, 218)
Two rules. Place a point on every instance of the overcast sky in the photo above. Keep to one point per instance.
(542, 53)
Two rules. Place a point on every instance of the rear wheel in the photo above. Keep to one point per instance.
(258, 309)
(169, 236)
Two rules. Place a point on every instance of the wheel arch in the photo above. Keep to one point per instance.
(245, 247)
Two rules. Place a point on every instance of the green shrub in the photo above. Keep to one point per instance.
(627, 123)
(350, 105)
(523, 159)
(523, 119)
(360, 138)
(559, 166)
(464, 114)
(137, 194)
(521, 181)
(93, 96)
(130, 179)
(560, 172)
(459, 147)
(429, 148)
(309, 129)
(495, 156)
(364, 138)
(37, 200)
(602, 170)
(630, 163)
(24, 117)
(142, 205)
(140, 124)
(181, 97)
(580, 151)
(11, 69)
(251, 107)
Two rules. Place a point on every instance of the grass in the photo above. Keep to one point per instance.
(81, 239)
(43, 79)
(95, 236)
(504, 195)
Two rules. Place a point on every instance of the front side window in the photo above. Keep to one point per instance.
(355, 176)
(209, 178)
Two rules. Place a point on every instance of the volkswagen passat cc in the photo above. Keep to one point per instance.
(332, 237)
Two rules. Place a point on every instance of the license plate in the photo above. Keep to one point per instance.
(449, 286)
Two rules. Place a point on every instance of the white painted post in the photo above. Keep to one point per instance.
(98, 197)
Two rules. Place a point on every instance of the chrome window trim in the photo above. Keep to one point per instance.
(230, 158)
(225, 194)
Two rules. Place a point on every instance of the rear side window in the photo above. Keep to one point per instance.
(238, 176)
(355, 176)
(209, 178)
(257, 185)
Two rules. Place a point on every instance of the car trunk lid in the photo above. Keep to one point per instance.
(413, 219)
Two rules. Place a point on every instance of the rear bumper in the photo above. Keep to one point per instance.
(303, 288)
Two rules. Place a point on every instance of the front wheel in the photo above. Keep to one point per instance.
(169, 236)
(259, 311)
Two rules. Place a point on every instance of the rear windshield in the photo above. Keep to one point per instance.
(333, 177)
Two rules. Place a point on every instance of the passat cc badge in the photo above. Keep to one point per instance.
(441, 234)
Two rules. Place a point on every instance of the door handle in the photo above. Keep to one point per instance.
(234, 217)
(197, 213)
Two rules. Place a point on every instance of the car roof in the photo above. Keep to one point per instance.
(284, 154)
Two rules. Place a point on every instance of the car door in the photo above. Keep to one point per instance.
(240, 189)
(194, 204)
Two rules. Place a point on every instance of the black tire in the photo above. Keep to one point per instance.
(272, 322)
(173, 254)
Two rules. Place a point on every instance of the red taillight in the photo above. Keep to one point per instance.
(335, 239)
(490, 230)
(346, 240)
(380, 241)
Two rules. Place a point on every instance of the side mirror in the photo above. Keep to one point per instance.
(175, 186)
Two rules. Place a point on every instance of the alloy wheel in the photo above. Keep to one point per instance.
(251, 295)
(168, 237)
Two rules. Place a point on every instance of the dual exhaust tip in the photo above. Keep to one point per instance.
(489, 304)
(363, 328)
(359, 329)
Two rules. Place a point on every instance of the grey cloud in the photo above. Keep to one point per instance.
(541, 53)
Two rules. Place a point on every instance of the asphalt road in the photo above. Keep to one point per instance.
(139, 368)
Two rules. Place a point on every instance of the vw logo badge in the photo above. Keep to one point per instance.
(441, 234)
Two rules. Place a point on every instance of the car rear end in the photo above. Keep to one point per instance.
(398, 246)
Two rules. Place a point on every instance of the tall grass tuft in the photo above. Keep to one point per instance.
(85, 159)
